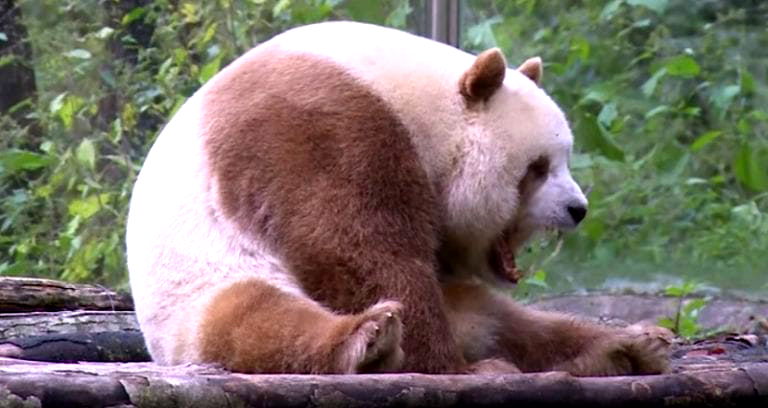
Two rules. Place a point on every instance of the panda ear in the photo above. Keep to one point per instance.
(532, 69)
(484, 77)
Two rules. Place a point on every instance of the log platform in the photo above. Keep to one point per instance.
(88, 352)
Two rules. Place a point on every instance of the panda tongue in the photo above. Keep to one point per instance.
(503, 260)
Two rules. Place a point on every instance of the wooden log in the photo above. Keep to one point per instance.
(14, 325)
(32, 294)
(111, 346)
(72, 336)
(148, 385)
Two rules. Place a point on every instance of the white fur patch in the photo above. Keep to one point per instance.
(181, 250)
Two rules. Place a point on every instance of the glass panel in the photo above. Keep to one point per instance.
(667, 101)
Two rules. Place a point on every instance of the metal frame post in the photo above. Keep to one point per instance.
(443, 21)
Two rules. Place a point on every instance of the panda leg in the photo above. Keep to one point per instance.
(490, 325)
(254, 327)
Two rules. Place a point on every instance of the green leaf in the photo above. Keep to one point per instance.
(86, 154)
(593, 227)
(658, 6)
(78, 53)
(607, 115)
(190, 12)
(704, 140)
(688, 328)
(600, 92)
(399, 16)
(133, 15)
(57, 103)
(656, 111)
(746, 81)
(83, 261)
(105, 32)
(12, 161)
(675, 291)
(579, 50)
(108, 78)
(597, 138)
(693, 306)
(610, 9)
(85, 208)
(481, 35)
(667, 323)
(722, 97)
(66, 106)
(280, 7)
(748, 214)
(73, 225)
(691, 286)
(210, 69)
(209, 33)
(650, 85)
(749, 167)
(682, 66)
(539, 278)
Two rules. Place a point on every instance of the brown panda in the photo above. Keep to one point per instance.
(343, 198)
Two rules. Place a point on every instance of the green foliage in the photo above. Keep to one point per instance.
(667, 101)
(685, 322)
(668, 104)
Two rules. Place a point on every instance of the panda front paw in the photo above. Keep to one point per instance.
(376, 340)
(647, 348)
(492, 366)
(634, 350)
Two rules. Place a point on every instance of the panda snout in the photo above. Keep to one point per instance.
(577, 212)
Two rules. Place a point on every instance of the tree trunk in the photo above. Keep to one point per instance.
(17, 78)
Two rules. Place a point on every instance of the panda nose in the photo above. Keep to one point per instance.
(578, 212)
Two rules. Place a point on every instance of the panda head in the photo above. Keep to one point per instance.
(522, 137)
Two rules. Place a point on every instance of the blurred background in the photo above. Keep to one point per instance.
(668, 100)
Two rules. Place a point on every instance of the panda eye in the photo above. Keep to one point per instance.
(539, 168)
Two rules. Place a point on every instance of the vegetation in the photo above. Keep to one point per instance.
(668, 103)
(667, 100)
(685, 322)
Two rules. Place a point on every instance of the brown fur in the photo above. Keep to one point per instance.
(253, 327)
(484, 77)
(543, 341)
(333, 182)
(532, 69)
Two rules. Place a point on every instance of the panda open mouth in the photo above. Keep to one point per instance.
(502, 259)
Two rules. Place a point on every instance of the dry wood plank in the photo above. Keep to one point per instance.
(32, 294)
(145, 385)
